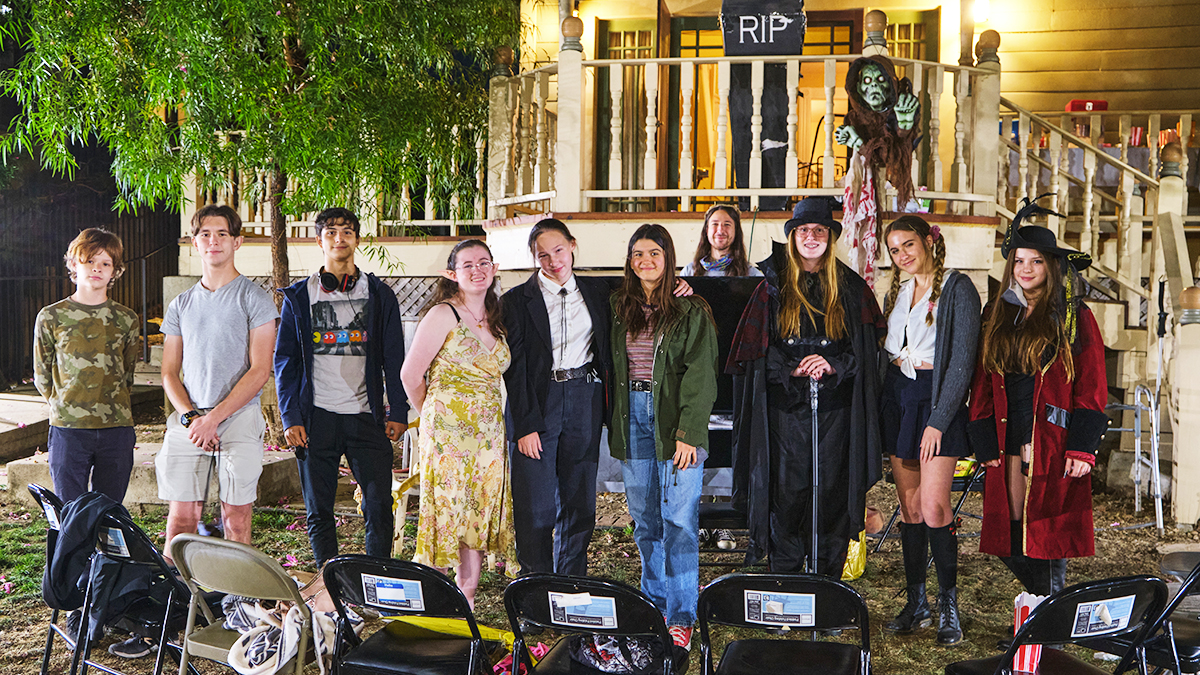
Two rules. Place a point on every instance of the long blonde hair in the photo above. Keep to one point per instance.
(793, 300)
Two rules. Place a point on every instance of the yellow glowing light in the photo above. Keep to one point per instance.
(982, 11)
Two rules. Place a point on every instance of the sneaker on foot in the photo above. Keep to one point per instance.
(725, 540)
(133, 648)
(681, 636)
(705, 537)
(74, 621)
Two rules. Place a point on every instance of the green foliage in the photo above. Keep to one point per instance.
(335, 95)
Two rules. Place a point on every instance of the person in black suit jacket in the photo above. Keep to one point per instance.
(558, 332)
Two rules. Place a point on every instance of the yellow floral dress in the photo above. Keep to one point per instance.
(465, 494)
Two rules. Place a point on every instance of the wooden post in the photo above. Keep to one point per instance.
(1184, 409)
(499, 135)
(874, 24)
(568, 150)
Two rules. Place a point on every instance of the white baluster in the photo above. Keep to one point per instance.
(1003, 165)
(961, 80)
(1023, 157)
(1089, 217)
(918, 79)
(1035, 138)
(827, 166)
(528, 122)
(454, 202)
(650, 161)
(541, 168)
(756, 91)
(721, 165)
(1152, 130)
(1052, 221)
(1129, 241)
(508, 177)
(687, 84)
(1126, 130)
(791, 164)
(616, 92)
(480, 174)
(935, 129)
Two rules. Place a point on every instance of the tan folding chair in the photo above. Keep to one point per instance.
(230, 567)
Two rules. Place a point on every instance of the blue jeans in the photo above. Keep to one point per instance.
(665, 505)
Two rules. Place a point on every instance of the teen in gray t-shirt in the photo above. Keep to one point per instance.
(215, 327)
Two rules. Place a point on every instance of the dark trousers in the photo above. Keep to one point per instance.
(369, 452)
(105, 456)
(791, 490)
(558, 491)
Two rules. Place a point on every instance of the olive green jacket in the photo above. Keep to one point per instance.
(685, 382)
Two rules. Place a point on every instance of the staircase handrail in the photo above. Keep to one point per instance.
(1084, 144)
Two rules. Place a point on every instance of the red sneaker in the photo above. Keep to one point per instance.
(681, 636)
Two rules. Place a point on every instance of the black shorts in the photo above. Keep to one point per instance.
(905, 410)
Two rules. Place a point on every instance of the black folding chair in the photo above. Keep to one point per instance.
(400, 587)
(1173, 640)
(161, 610)
(551, 601)
(1073, 615)
(965, 485)
(52, 506)
(804, 602)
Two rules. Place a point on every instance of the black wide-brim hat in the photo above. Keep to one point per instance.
(818, 210)
(1042, 239)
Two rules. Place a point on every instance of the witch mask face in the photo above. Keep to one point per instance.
(874, 87)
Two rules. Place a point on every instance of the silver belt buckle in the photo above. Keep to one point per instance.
(560, 375)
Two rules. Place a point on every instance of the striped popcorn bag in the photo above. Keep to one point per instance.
(1028, 656)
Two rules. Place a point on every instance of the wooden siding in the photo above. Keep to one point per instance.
(1135, 54)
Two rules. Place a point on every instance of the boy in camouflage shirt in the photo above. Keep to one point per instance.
(85, 348)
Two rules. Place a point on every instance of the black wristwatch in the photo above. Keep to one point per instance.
(186, 418)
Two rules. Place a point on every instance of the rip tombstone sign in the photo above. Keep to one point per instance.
(758, 28)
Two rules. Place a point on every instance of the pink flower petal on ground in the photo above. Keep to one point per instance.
(7, 587)
(290, 560)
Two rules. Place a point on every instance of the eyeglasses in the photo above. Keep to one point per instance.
(482, 266)
(815, 231)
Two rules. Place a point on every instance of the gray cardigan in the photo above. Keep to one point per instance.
(954, 348)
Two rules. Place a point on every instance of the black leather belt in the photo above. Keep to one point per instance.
(570, 373)
(641, 385)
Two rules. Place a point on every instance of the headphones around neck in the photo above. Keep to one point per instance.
(330, 282)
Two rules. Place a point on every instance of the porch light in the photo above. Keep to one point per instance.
(982, 11)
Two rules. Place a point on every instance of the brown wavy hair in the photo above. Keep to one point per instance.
(1015, 343)
(919, 227)
(631, 297)
(793, 301)
(447, 289)
(739, 266)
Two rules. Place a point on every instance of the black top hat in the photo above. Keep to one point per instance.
(817, 210)
(1042, 239)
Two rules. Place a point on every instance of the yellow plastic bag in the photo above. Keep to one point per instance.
(457, 628)
(856, 558)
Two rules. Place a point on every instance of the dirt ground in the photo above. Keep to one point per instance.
(986, 588)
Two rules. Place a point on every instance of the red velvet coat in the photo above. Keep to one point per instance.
(1069, 421)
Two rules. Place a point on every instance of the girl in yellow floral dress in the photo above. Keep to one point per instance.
(452, 375)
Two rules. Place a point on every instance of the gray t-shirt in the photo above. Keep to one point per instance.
(215, 327)
(339, 334)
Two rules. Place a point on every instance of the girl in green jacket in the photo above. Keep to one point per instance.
(665, 383)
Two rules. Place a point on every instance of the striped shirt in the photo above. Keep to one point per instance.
(641, 351)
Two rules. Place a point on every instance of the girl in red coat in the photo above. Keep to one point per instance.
(1037, 410)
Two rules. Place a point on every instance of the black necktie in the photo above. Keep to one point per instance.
(562, 294)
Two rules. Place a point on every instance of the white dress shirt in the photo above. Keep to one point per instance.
(570, 323)
(908, 321)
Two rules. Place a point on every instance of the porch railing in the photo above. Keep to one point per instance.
(543, 156)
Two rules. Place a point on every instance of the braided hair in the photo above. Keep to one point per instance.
(918, 226)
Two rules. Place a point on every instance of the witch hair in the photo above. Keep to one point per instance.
(793, 299)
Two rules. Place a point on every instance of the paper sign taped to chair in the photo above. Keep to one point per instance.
(114, 543)
(392, 593)
(568, 609)
(780, 609)
(1102, 616)
(51, 517)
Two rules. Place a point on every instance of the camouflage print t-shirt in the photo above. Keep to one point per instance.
(83, 363)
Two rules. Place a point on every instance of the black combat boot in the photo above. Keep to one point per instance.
(914, 543)
(949, 629)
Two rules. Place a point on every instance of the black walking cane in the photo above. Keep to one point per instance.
(813, 385)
